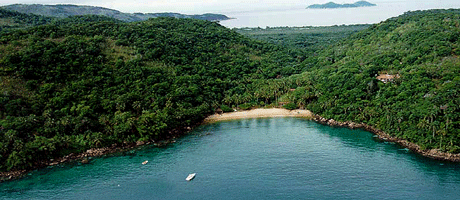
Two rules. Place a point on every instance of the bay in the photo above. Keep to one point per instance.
(299, 16)
(273, 158)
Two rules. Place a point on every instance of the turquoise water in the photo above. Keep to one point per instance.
(276, 158)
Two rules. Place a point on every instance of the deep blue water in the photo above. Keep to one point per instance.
(275, 158)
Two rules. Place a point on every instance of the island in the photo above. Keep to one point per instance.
(336, 5)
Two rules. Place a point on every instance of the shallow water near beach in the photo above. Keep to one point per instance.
(272, 158)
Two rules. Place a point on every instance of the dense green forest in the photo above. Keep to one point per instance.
(309, 39)
(90, 81)
(69, 86)
(421, 104)
(419, 50)
(16, 20)
(12, 20)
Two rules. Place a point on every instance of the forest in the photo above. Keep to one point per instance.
(420, 103)
(83, 82)
(308, 40)
(89, 81)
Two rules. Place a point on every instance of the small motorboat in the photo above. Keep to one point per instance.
(190, 177)
(145, 162)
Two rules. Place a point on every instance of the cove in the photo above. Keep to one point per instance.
(271, 158)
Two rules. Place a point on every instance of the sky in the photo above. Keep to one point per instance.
(192, 6)
(185, 6)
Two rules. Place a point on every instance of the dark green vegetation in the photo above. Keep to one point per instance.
(70, 86)
(309, 40)
(63, 11)
(420, 104)
(346, 5)
(89, 82)
(12, 20)
(16, 20)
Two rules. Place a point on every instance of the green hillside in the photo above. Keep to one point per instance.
(92, 81)
(421, 104)
(70, 87)
(16, 20)
(308, 39)
(418, 52)
(68, 10)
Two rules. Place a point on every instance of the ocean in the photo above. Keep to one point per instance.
(300, 16)
(272, 158)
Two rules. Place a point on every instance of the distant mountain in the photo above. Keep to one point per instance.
(335, 5)
(63, 11)
(15, 20)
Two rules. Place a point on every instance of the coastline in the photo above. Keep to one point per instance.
(278, 112)
(86, 156)
(259, 113)
(254, 113)
(429, 153)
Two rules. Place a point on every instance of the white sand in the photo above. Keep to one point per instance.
(259, 113)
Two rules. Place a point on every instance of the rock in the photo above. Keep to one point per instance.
(85, 161)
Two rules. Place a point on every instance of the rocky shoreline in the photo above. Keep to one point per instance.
(85, 157)
(73, 157)
(96, 152)
(430, 153)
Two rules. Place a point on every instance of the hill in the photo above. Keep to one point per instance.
(401, 76)
(12, 20)
(331, 5)
(69, 87)
(309, 40)
(88, 82)
(16, 20)
(62, 11)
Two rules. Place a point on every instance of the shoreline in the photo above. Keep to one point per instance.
(279, 112)
(259, 113)
(84, 157)
(435, 154)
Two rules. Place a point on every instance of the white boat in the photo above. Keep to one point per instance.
(190, 177)
(145, 162)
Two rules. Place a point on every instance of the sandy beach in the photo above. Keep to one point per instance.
(259, 113)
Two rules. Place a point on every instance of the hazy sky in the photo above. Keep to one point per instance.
(190, 6)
